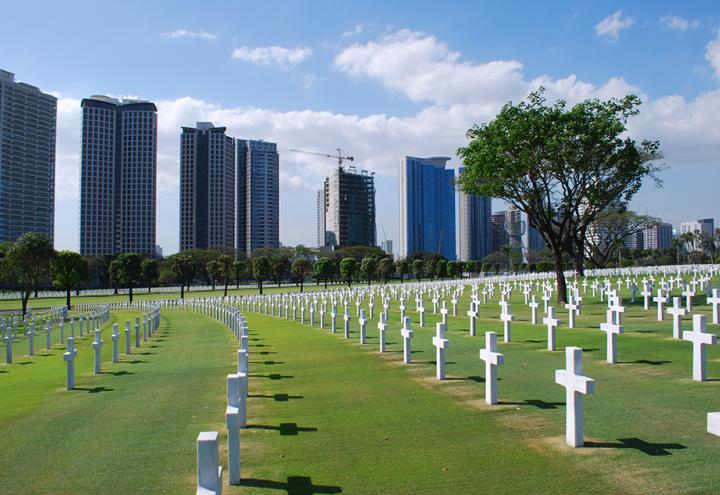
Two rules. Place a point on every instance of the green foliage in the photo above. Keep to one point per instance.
(27, 263)
(150, 271)
(368, 268)
(127, 269)
(429, 268)
(441, 268)
(324, 270)
(300, 269)
(69, 270)
(418, 268)
(385, 269)
(403, 268)
(260, 270)
(184, 268)
(348, 270)
(451, 269)
(562, 167)
(214, 271)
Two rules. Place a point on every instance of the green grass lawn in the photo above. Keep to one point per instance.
(327, 415)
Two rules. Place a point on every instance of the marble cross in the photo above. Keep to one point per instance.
(533, 310)
(571, 307)
(576, 385)
(97, 351)
(444, 313)
(440, 343)
(69, 357)
(552, 324)
(677, 313)
(506, 318)
(715, 302)
(472, 315)
(346, 318)
(612, 328)
(382, 328)
(699, 339)
(492, 360)
(363, 322)
(209, 469)
(660, 300)
(407, 334)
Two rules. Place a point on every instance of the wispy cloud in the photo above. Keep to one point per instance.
(358, 29)
(611, 26)
(184, 33)
(712, 54)
(676, 23)
(273, 55)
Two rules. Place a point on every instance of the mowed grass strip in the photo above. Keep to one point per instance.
(325, 417)
(131, 429)
(645, 425)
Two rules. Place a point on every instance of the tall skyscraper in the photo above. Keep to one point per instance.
(427, 206)
(499, 234)
(658, 236)
(258, 195)
(475, 226)
(118, 176)
(320, 219)
(349, 198)
(207, 187)
(27, 159)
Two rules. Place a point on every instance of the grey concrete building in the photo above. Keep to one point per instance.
(118, 170)
(27, 159)
(349, 198)
(475, 227)
(207, 187)
(320, 217)
(258, 195)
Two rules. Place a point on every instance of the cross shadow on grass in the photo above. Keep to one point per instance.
(646, 361)
(134, 361)
(267, 362)
(295, 485)
(652, 449)
(117, 373)
(276, 397)
(285, 429)
(476, 379)
(540, 404)
(94, 390)
(272, 376)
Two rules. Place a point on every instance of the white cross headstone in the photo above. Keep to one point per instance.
(69, 357)
(715, 302)
(444, 313)
(646, 298)
(552, 324)
(209, 470)
(115, 338)
(660, 300)
(346, 318)
(31, 340)
(127, 337)
(677, 313)
(440, 343)
(699, 339)
(363, 323)
(8, 347)
(97, 351)
(533, 310)
(612, 329)
(382, 328)
(713, 423)
(492, 360)
(407, 334)
(506, 318)
(571, 307)
(576, 385)
(472, 314)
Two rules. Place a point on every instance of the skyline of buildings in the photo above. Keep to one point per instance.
(118, 167)
(118, 186)
(348, 208)
(27, 159)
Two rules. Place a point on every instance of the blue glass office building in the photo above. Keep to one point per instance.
(427, 206)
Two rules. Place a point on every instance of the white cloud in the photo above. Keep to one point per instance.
(611, 26)
(425, 69)
(184, 33)
(267, 55)
(712, 54)
(676, 23)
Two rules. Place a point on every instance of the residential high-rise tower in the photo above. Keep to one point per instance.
(27, 159)
(427, 206)
(118, 169)
(207, 187)
(349, 199)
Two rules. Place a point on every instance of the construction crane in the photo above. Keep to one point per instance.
(339, 155)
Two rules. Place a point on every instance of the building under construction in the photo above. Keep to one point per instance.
(348, 218)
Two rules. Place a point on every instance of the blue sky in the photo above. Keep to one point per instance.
(379, 79)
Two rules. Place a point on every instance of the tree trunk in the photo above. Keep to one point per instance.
(226, 286)
(560, 277)
(325, 283)
(149, 287)
(301, 284)
(25, 297)
(260, 286)
(182, 291)
(67, 298)
(130, 293)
